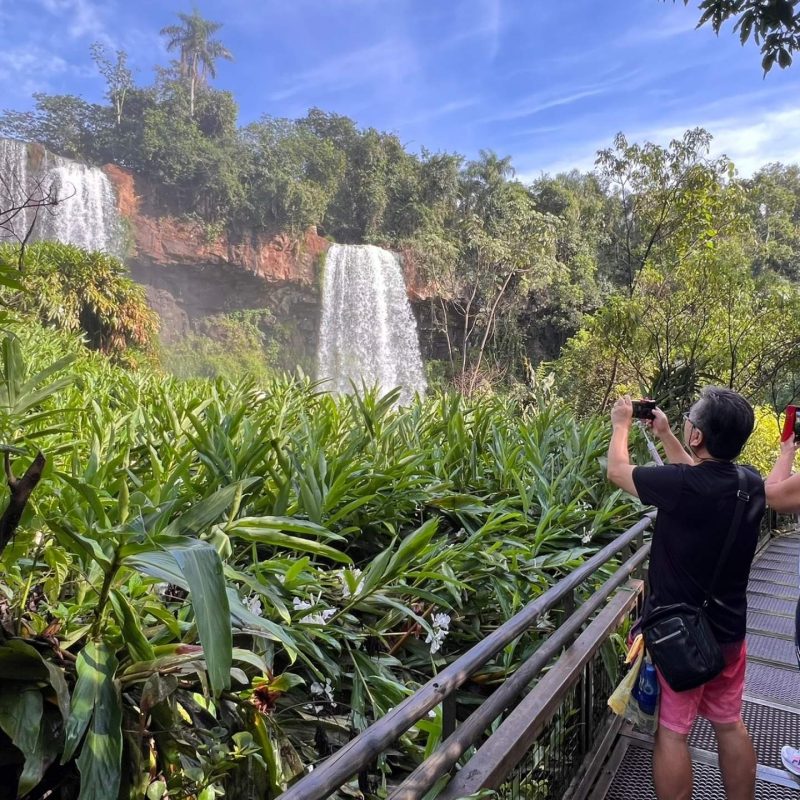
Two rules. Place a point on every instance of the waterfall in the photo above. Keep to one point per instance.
(368, 332)
(87, 214)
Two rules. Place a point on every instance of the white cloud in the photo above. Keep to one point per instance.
(84, 18)
(493, 24)
(31, 68)
(749, 140)
(555, 98)
(385, 64)
(676, 25)
(440, 111)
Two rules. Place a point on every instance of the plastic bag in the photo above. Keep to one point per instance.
(622, 695)
(625, 700)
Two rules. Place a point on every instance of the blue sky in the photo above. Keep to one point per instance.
(545, 81)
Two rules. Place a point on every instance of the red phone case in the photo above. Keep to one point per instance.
(788, 423)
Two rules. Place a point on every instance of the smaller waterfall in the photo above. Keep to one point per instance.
(88, 215)
(368, 332)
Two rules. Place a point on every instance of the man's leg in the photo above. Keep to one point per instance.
(737, 760)
(672, 765)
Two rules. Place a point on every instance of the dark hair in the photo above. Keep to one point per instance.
(726, 420)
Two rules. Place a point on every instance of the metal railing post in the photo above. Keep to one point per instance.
(449, 710)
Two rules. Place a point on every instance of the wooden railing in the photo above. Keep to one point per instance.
(356, 756)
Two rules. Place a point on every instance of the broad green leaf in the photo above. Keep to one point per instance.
(268, 536)
(99, 762)
(202, 514)
(21, 720)
(290, 524)
(376, 572)
(138, 646)
(20, 661)
(412, 546)
(202, 568)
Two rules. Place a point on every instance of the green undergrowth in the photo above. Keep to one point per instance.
(216, 583)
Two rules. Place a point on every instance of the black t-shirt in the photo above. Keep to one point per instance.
(695, 509)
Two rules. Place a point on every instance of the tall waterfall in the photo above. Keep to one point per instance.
(368, 332)
(87, 214)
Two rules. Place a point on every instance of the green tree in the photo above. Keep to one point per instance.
(773, 201)
(292, 174)
(199, 52)
(670, 201)
(63, 123)
(773, 24)
(494, 250)
(585, 213)
(707, 321)
(117, 74)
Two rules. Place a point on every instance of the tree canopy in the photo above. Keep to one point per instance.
(774, 25)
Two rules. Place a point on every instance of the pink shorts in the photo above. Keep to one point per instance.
(719, 700)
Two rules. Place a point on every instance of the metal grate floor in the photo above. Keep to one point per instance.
(770, 623)
(769, 648)
(774, 605)
(773, 683)
(770, 729)
(773, 589)
(781, 562)
(634, 779)
(774, 576)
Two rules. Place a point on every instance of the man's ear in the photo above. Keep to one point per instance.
(697, 437)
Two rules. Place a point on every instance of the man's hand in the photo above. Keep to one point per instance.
(660, 424)
(622, 412)
(789, 448)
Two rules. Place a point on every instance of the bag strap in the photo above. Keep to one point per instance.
(742, 499)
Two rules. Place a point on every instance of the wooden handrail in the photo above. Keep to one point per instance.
(469, 732)
(507, 746)
(364, 748)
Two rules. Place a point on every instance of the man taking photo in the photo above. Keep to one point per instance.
(696, 497)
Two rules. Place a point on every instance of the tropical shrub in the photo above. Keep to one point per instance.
(91, 292)
(217, 584)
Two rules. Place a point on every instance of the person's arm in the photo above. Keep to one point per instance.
(783, 488)
(620, 469)
(675, 452)
(783, 464)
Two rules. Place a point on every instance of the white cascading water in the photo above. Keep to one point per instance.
(86, 217)
(368, 332)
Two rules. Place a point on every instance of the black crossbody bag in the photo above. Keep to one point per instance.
(679, 637)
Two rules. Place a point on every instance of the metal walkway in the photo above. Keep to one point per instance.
(772, 695)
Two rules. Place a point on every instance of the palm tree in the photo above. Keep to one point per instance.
(199, 51)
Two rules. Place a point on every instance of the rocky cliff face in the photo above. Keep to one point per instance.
(192, 273)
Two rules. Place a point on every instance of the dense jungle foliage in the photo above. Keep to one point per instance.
(661, 235)
(215, 584)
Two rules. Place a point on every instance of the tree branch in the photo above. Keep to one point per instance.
(21, 489)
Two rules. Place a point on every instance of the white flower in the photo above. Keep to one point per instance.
(320, 618)
(441, 621)
(326, 690)
(253, 605)
(161, 589)
(545, 622)
(356, 573)
(441, 627)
